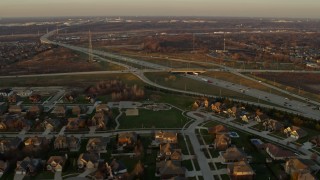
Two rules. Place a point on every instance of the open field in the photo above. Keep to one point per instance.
(149, 119)
(56, 60)
(68, 80)
(171, 60)
(306, 85)
(183, 83)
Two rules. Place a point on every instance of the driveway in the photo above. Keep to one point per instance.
(18, 176)
(57, 175)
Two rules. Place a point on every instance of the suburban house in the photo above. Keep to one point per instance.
(10, 145)
(102, 107)
(3, 167)
(233, 154)
(166, 137)
(167, 152)
(76, 124)
(35, 110)
(218, 129)
(222, 141)
(273, 125)
(295, 132)
(13, 98)
(261, 118)
(98, 144)
(28, 166)
(88, 160)
(55, 163)
(277, 153)
(168, 169)
(244, 118)
(315, 140)
(231, 111)
(35, 143)
(63, 142)
(13, 122)
(59, 111)
(51, 124)
(5, 92)
(35, 98)
(99, 120)
(240, 170)
(216, 107)
(15, 109)
(300, 168)
(127, 138)
(76, 110)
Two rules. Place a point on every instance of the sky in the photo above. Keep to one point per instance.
(232, 8)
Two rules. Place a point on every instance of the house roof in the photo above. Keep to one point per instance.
(221, 138)
(27, 162)
(315, 140)
(101, 141)
(169, 168)
(59, 109)
(58, 159)
(166, 134)
(176, 155)
(34, 140)
(34, 108)
(131, 135)
(93, 157)
(218, 129)
(233, 153)
(278, 152)
(53, 122)
(166, 148)
(240, 167)
(305, 176)
(297, 164)
(299, 131)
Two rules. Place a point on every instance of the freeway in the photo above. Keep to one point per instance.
(290, 105)
(297, 106)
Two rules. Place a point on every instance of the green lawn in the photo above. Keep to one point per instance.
(149, 119)
(187, 164)
(181, 101)
(262, 171)
(182, 145)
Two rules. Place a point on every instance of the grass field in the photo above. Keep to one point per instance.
(181, 101)
(149, 119)
(290, 89)
(226, 76)
(183, 83)
(68, 80)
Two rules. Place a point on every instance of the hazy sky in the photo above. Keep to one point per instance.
(249, 8)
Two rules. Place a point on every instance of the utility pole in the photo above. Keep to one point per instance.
(193, 42)
(90, 48)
